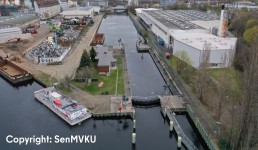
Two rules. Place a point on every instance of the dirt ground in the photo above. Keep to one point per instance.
(71, 62)
(25, 45)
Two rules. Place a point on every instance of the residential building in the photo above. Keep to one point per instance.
(105, 59)
(47, 8)
(64, 4)
(80, 12)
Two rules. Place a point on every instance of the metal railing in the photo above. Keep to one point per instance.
(201, 130)
(186, 140)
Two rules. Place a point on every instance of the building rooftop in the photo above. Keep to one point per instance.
(181, 19)
(104, 56)
(197, 40)
(78, 8)
(9, 30)
(46, 3)
(17, 19)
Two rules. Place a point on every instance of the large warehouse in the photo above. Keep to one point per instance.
(196, 44)
(162, 22)
(80, 12)
(192, 31)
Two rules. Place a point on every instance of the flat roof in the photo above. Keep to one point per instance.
(206, 24)
(181, 19)
(78, 8)
(145, 19)
(9, 30)
(197, 40)
(17, 19)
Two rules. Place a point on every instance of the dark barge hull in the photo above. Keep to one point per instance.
(15, 80)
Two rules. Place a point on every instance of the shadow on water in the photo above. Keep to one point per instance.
(17, 85)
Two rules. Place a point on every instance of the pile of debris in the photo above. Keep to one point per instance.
(70, 35)
(47, 50)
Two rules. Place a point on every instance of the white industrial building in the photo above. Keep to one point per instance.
(191, 31)
(64, 4)
(221, 49)
(11, 33)
(80, 12)
(47, 8)
(242, 4)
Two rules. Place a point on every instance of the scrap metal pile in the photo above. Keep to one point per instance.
(47, 50)
(68, 37)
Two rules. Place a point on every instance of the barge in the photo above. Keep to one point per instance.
(13, 73)
(98, 39)
(69, 110)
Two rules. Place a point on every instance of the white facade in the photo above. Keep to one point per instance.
(10, 33)
(222, 50)
(78, 12)
(158, 28)
(242, 4)
(96, 9)
(47, 12)
(139, 10)
(63, 4)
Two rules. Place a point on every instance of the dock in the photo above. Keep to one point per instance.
(174, 103)
(98, 39)
(142, 47)
(119, 108)
(14, 73)
(186, 141)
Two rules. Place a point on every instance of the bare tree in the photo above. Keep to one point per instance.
(184, 63)
(245, 131)
(224, 84)
(85, 74)
(203, 73)
(67, 81)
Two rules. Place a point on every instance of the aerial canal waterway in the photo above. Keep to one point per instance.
(22, 116)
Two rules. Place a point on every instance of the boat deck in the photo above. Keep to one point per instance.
(142, 47)
(10, 70)
(14, 73)
(40, 96)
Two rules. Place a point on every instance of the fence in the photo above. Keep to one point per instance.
(201, 130)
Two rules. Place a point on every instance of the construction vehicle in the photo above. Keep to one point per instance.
(31, 28)
(57, 30)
